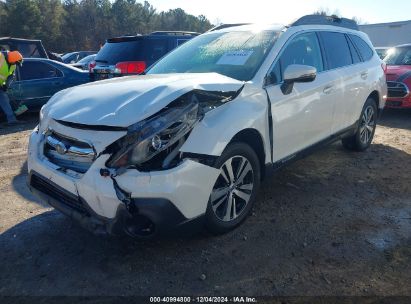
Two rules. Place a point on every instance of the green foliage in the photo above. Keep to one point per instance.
(71, 25)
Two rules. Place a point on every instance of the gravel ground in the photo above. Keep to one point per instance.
(335, 223)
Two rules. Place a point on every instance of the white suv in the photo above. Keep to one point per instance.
(188, 143)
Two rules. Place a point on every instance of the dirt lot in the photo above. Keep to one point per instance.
(336, 223)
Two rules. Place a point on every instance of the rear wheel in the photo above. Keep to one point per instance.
(235, 189)
(364, 134)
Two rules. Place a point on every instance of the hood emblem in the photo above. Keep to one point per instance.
(61, 148)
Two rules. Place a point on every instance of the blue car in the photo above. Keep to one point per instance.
(38, 79)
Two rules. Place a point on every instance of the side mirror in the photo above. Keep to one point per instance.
(297, 73)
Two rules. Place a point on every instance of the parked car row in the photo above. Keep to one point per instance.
(84, 63)
(74, 57)
(39, 78)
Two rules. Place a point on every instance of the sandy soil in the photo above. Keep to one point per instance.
(335, 223)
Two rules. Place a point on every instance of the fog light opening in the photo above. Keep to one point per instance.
(140, 227)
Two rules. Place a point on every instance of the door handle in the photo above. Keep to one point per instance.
(364, 75)
(328, 89)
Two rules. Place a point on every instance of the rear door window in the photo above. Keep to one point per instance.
(363, 47)
(337, 50)
(38, 70)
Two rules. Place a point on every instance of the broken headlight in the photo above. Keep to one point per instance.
(157, 139)
(148, 138)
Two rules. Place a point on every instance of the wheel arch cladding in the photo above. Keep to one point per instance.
(376, 97)
(254, 139)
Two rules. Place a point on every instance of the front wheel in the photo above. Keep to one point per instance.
(364, 134)
(235, 189)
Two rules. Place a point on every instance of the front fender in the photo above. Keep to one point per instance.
(213, 133)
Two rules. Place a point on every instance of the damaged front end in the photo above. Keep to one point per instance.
(154, 143)
(141, 184)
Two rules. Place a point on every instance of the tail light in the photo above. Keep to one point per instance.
(130, 67)
(91, 66)
(384, 67)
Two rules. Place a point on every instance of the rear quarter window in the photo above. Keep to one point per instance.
(337, 50)
(363, 47)
(354, 53)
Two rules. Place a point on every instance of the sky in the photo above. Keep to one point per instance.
(285, 11)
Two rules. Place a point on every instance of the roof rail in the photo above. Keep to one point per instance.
(326, 20)
(175, 33)
(223, 26)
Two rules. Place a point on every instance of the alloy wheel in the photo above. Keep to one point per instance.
(233, 188)
(367, 125)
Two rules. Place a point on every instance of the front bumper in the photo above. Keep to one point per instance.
(157, 203)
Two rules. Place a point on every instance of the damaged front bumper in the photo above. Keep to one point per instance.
(140, 204)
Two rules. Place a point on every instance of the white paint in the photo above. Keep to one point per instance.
(127, 100)
(300, 119)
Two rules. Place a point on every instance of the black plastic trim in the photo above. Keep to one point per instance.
(308, 151)
(168, 220)
(270, 124)
(326, 20)
(208, 160)
(91, 127)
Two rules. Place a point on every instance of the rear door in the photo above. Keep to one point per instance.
(367, 72)
(342, 65)
(38, 81)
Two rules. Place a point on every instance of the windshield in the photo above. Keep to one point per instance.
(399, 56)
(234, 54)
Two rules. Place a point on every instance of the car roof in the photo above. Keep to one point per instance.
(280, 27)
(251, 27)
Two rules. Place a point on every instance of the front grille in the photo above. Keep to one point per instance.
(397, 89)
(68, 153)
(47, 187)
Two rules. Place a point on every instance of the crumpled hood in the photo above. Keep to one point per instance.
(124, 101)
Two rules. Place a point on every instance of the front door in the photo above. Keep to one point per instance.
(303, 117)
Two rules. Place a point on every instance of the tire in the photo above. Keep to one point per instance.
(364, 134)
(236, 191)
